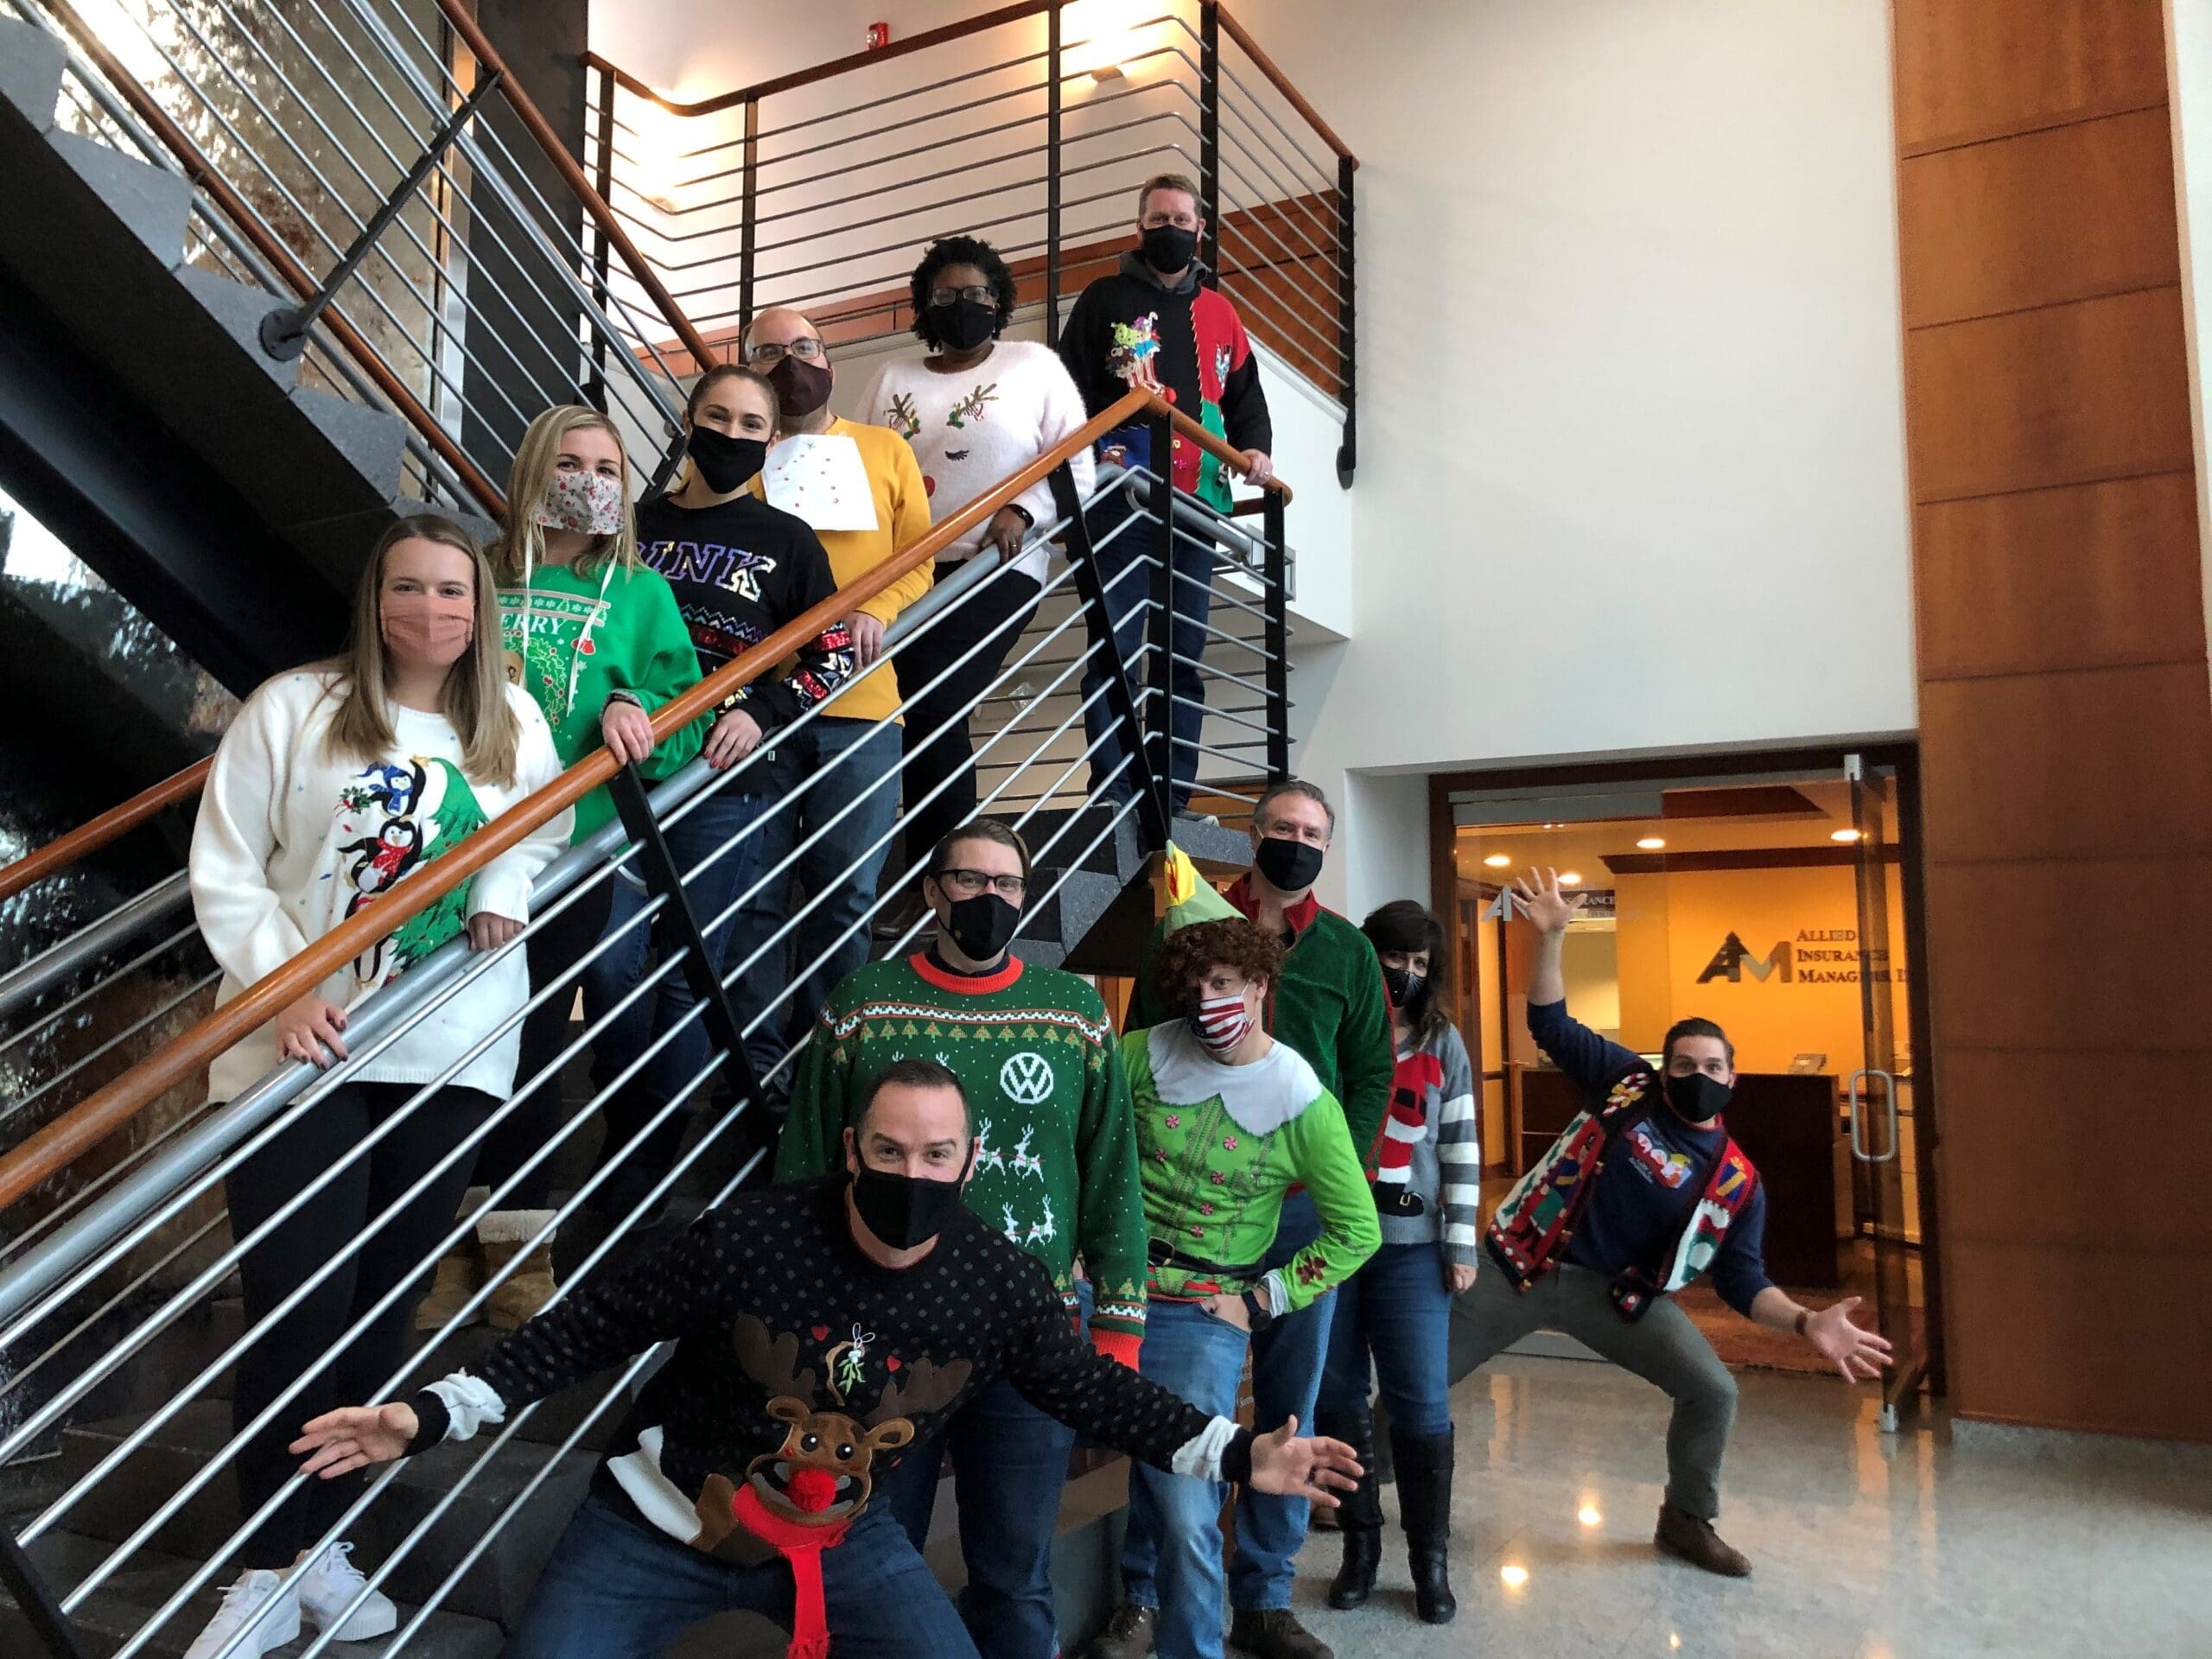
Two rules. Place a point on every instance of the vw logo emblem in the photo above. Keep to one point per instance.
(1026, 1078)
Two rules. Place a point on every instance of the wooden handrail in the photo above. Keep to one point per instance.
(197, 169)
(462, 17)
(107, 1109)
(60, 853)
(939, 36)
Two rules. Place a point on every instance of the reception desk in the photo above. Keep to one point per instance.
(1791, 1128)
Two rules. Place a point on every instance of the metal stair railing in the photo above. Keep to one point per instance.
(162, 1203)
(344, 158)
(802, 190)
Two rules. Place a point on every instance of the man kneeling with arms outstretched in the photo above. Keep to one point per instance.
(818, 1328)
(1641, 1194)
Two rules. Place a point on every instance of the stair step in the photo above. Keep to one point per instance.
(1079, 837)
(240, 307)
(153, 204)
(495, 1584)
(113, 1614)
(32, 63)
(374, 440)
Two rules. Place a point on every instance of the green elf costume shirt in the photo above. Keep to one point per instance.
(573, 639)
(1056, 1168)
(1218, 1147)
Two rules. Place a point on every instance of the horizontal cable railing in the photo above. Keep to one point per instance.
(817, 190)
(95, 1294)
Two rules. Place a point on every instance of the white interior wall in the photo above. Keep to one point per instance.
(2189, 71)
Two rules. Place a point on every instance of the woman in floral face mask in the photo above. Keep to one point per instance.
(1228, 1121)
(595, 637)
(337, 783)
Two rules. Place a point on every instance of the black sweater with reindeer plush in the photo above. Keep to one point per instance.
(805, 1368)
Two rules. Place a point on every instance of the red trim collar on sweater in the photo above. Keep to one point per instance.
(1299, 915)
(979, 985)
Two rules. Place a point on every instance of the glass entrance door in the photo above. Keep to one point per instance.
(1884, 1127)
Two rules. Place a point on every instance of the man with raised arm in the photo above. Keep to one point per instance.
(821, 1330)
(1641, 1194)
(1056, 1172)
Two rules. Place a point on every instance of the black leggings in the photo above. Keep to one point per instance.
(367, 1186)
(554, 950)
(935, 737)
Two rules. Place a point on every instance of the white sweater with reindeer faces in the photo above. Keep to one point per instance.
(293, 839)
(972, 428)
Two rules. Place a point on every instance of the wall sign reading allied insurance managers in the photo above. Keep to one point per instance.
(1817, 955)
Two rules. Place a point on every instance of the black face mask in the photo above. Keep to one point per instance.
(801, 387)
(1168, 248)
(904, 1211)
(962, 324)
(1697, 1097)
(1405, 986)
(724, 461)
(982, 927)
(1289, 866)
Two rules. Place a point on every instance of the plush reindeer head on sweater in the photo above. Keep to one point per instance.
(821, 1475)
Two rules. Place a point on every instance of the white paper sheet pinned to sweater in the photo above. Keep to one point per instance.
(820, 477)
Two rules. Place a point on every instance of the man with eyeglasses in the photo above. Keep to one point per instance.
(860, 489)
(1154, 325)
(1055, 1173)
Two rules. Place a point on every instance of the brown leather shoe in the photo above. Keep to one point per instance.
(1128, 1634)
(1694, 1541)
(1276, 1633)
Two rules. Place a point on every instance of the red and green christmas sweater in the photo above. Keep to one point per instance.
(1056, 1169)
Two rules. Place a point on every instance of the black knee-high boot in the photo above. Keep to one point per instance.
(1424, 1505)
(1359, 1517)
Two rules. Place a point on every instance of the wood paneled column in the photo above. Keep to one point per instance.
(2066, 720)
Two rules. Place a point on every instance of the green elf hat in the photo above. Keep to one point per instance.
(1182, 896)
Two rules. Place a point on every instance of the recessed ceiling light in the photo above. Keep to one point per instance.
(1570, 878)
(1843, 835)
(1498, 861)
(1515, 1577)
(1588, 1515)
(1652, 843)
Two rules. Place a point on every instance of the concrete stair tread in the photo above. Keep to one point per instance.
(114, 1613)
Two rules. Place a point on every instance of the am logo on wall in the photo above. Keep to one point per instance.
(1815, 956)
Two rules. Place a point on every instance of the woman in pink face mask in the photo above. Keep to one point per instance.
(1228, 1121)
(337, 783)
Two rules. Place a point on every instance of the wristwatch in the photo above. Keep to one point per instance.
(1259, 1315)
(1027, 519)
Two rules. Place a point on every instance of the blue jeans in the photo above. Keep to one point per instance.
(1127, 585)
(616, 1587)
(698, 835)
(1009, 1462)
(1287, 1359)
(1171, 1557)
(1398, 1309)
(825, 767)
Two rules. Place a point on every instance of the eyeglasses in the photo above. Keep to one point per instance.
(966, 884)
(979, 293)
(768, 351)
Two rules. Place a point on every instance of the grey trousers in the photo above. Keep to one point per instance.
(1664, 1348)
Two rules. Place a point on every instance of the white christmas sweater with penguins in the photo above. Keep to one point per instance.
(1057, 1170)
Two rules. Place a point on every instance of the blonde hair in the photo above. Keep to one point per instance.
(475, 690)
(521, 546)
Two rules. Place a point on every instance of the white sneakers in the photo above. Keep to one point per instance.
(320, 1589)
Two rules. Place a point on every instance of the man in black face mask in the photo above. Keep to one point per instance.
(1154, 325)
(1056, 1173)
(821, 1331)
(1643, 1192)
(1329, 1005)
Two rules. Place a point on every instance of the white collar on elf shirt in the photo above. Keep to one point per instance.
(1262, 1097)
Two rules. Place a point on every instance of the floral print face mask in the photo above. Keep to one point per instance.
(588, 503)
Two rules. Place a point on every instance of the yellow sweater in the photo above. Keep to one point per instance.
(902, 516)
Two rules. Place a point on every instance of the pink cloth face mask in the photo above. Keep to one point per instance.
(588, 503)
(428, 627)
(1221, 1023)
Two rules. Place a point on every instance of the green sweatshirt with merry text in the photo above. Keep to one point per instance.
(571, 640)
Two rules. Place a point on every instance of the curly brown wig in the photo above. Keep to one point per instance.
(1193, 952)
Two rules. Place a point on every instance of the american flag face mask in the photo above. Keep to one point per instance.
(1221, 1022)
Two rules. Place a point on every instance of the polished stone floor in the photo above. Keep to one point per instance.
(1866, 1546)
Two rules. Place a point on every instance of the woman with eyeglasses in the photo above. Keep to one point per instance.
(977, 409)
(1055, 1170)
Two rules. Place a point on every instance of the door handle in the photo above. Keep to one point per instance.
(1851, 1096)
(1858, 1125)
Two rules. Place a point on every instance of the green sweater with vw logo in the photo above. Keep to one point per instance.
(1056, 1168)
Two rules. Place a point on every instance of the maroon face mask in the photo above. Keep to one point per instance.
(801, 387)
